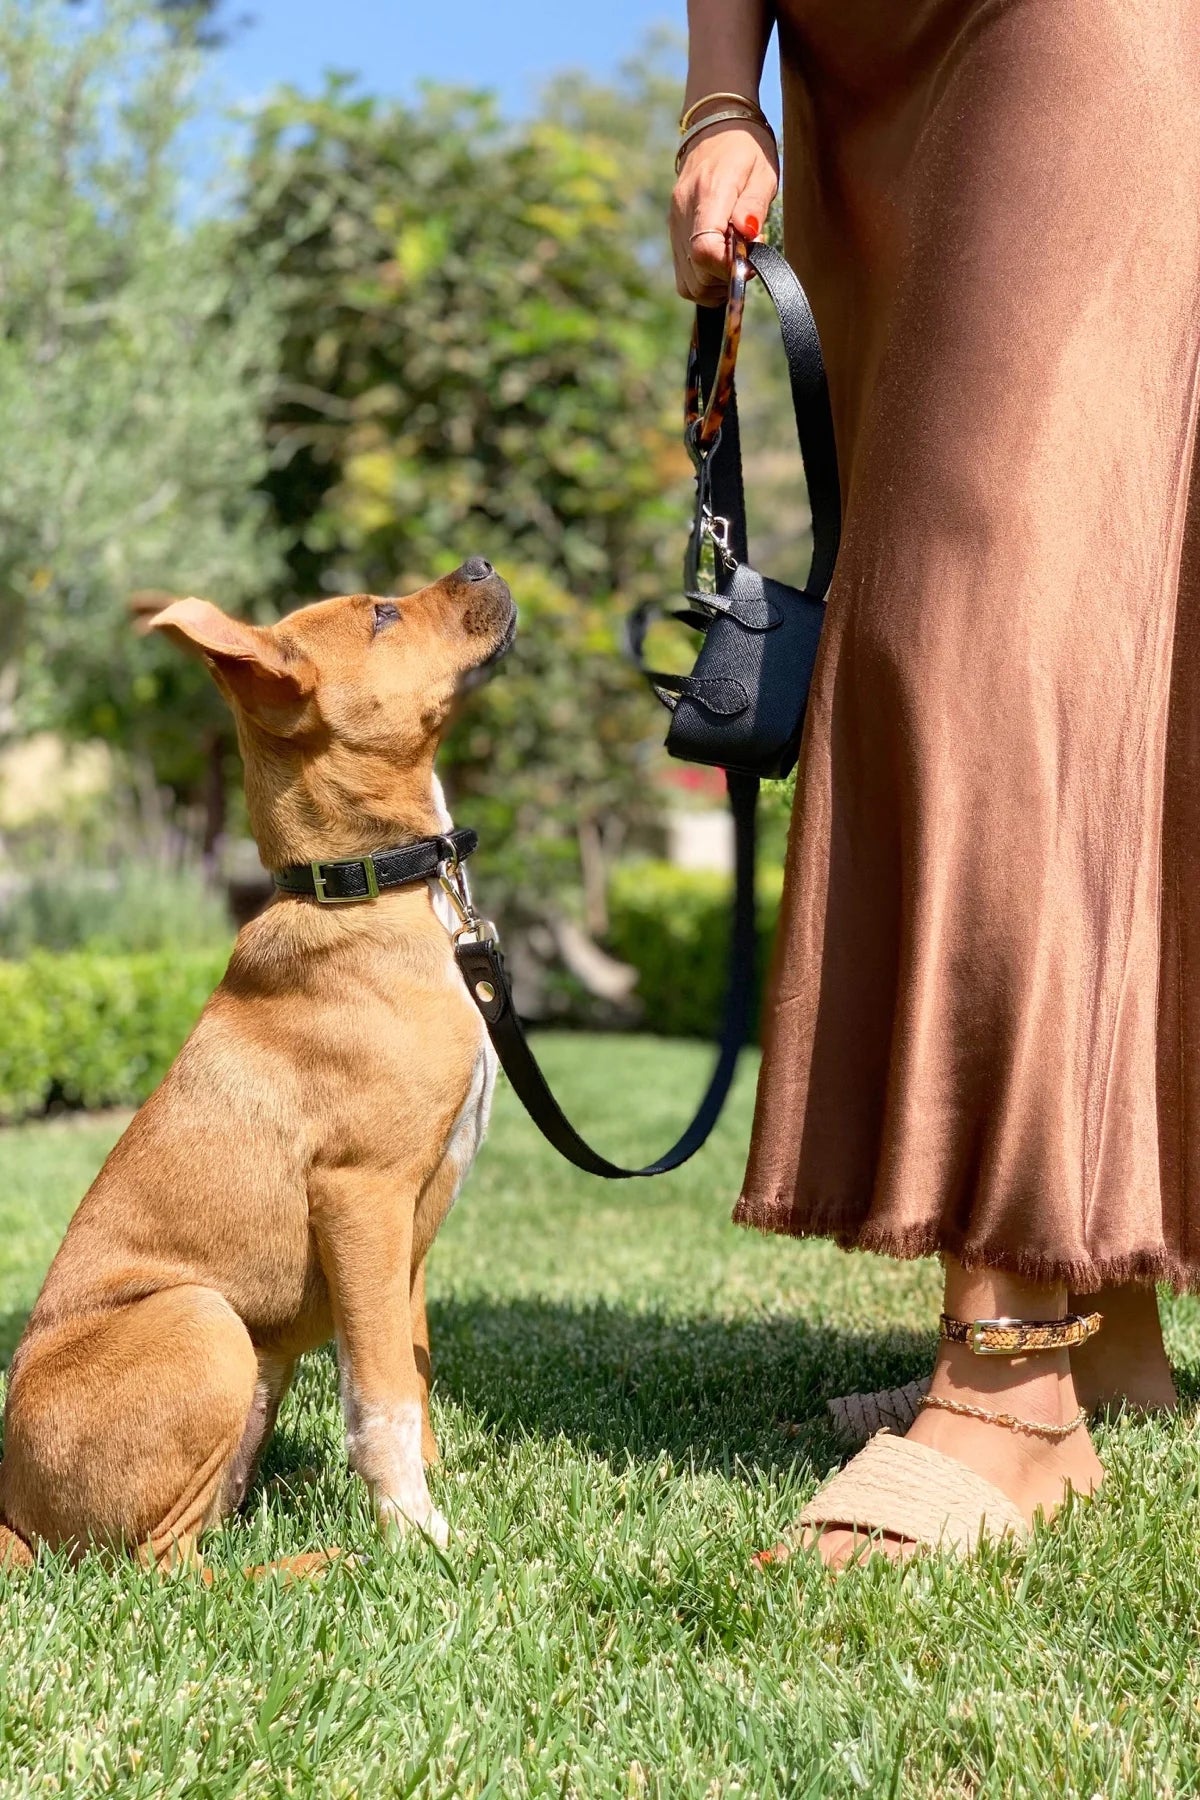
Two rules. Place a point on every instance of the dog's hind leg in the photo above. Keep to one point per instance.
(122, 1426)
(14, 1551)
(274, 1379)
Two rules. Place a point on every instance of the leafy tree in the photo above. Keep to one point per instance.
(478, 352)
(425, 333)
(134, 365)
(482, 353)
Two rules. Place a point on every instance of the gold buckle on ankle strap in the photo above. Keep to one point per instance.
(1020, 1337)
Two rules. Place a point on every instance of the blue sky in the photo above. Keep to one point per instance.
(508, 45)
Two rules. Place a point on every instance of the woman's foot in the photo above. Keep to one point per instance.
(1125, 1364)
(1034, 1471)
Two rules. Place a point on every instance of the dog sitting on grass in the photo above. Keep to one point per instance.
(283, 1184)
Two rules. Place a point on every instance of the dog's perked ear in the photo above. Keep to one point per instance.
(267, 676)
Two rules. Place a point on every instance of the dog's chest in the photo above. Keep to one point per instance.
(471, 1124)
(470, 1127)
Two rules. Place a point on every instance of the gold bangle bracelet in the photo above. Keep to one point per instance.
(686, 117)
(728, 116)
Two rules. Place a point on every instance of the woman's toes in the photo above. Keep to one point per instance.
(843, 1549)
(838, 1548)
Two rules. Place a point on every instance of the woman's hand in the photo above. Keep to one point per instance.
(729, 176)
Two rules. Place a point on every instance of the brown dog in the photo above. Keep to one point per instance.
(283, 1184)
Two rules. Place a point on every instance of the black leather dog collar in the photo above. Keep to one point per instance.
(340, 883)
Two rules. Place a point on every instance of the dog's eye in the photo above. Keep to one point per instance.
(386, 613)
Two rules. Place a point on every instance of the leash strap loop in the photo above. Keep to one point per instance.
(482, 966)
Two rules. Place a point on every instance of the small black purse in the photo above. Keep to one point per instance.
(742, 707)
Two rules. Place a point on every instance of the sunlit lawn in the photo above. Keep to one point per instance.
(630, 1399)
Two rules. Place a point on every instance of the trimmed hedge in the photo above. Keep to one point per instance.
(673, 926)
(92, 1030)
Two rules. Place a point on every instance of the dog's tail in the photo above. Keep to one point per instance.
(14, 1551)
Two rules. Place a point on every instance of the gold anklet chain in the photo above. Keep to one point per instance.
(1009, 1420)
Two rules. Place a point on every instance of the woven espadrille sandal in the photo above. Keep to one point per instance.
(856, 1418)
(905, 1490)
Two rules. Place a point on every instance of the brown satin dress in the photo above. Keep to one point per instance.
(983, 1031)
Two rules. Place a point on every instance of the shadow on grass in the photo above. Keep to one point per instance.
(1187, 1385)
(707, 1391)
(726, 1395)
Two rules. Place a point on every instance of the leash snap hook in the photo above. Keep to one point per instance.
(452, 879)
(717, 529)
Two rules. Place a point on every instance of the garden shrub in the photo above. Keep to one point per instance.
(91, 1030)
(673, 926)
(131, 905)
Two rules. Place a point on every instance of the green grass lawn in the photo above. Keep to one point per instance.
(630, 1399)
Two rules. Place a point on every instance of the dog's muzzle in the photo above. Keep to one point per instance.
(490, 611)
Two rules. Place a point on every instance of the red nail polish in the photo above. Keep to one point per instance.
(751, 224)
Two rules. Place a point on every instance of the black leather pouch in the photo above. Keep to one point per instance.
(742, 707)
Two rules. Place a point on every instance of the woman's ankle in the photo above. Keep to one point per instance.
(1040, 1389)
(1035, 1467)
(1044, 1379)
(1126, 1363)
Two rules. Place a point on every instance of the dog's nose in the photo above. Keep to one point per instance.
(476, 568)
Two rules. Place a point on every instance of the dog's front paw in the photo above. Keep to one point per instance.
(385, 1447)
(400, 1517)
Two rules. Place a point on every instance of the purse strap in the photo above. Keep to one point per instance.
(814, 420)
(476, 950)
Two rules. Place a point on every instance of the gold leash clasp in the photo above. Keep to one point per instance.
(452, 879)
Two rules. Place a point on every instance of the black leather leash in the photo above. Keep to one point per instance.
(810, 404)
(759, 606)
(352, 880)
(720, 491)
(482, 964)
(742, 705)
